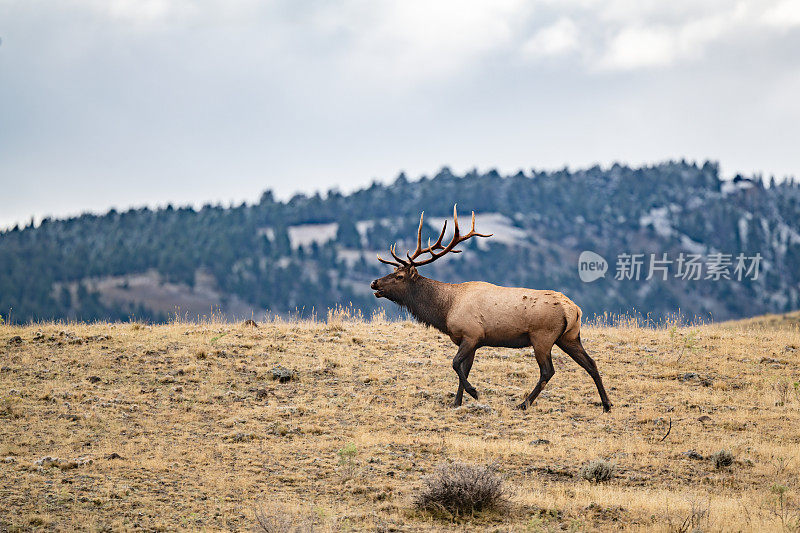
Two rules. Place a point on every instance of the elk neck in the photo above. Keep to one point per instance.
(429, 302)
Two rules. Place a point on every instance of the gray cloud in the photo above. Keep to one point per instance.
(129, 102)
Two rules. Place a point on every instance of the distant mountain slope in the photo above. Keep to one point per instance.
(314, 252)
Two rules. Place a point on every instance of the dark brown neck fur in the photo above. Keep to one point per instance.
(429, 301)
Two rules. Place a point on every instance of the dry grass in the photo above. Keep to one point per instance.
(182, 426)
(782, 321)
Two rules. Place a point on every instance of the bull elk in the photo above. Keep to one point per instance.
(476, 314)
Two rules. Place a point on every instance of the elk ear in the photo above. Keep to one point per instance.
(412, 273)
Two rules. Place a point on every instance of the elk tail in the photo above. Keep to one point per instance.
(572, 323)
(564, 329)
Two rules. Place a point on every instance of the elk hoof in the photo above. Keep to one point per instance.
(606, 407)
(472, 392)
(523, 406)
(456, 403)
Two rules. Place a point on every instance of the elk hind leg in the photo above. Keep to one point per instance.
(574, 349)
(546, 372)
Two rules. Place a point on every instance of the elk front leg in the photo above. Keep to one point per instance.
(467, 366)
(465, 350)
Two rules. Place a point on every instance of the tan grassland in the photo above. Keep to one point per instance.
(181, 427)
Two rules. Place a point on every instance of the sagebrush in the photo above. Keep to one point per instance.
(460, 488)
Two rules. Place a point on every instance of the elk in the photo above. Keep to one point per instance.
(476, 314)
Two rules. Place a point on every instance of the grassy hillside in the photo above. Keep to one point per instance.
(181, 426)
(772, 321)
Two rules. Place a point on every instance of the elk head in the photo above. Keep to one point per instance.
(396, 285)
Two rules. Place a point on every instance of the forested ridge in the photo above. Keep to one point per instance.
(272, 255)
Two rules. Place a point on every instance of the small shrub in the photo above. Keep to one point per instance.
(459, 488)
(721, 459)
(9, 407)
(681, 343)
(784, 509)
(783, 390)
(598, 470)
(347, 453)
(276, 520)
(347, 460)
(697, 520)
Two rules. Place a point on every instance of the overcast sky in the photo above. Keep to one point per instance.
(118, 103)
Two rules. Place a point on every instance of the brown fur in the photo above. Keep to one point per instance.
(476, 314)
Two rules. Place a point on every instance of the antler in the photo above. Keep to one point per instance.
(431, 248)
(400, 262)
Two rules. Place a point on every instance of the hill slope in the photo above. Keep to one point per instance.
(181, 427)
(315, 252)
(772, 321)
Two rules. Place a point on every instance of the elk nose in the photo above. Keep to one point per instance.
(374, 284)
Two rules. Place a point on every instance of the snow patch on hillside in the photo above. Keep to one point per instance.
(267, 232)
(691, 245)
(363, 226)
(351, 257)
(743, 224)
(730, 187)
(306, 234)
(659, 218)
